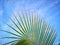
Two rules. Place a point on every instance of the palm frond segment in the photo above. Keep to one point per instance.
(32, 29)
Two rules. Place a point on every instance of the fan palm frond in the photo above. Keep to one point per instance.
(31, 31)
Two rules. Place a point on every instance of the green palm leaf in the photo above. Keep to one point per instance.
(31, 31)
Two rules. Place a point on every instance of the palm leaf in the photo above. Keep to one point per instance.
(31, 31)
(10, 42)
(10, 37)
(10, 33)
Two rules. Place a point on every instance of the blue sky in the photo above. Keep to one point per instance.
(48, 10)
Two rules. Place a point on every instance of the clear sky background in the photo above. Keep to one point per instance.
(48, 10)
